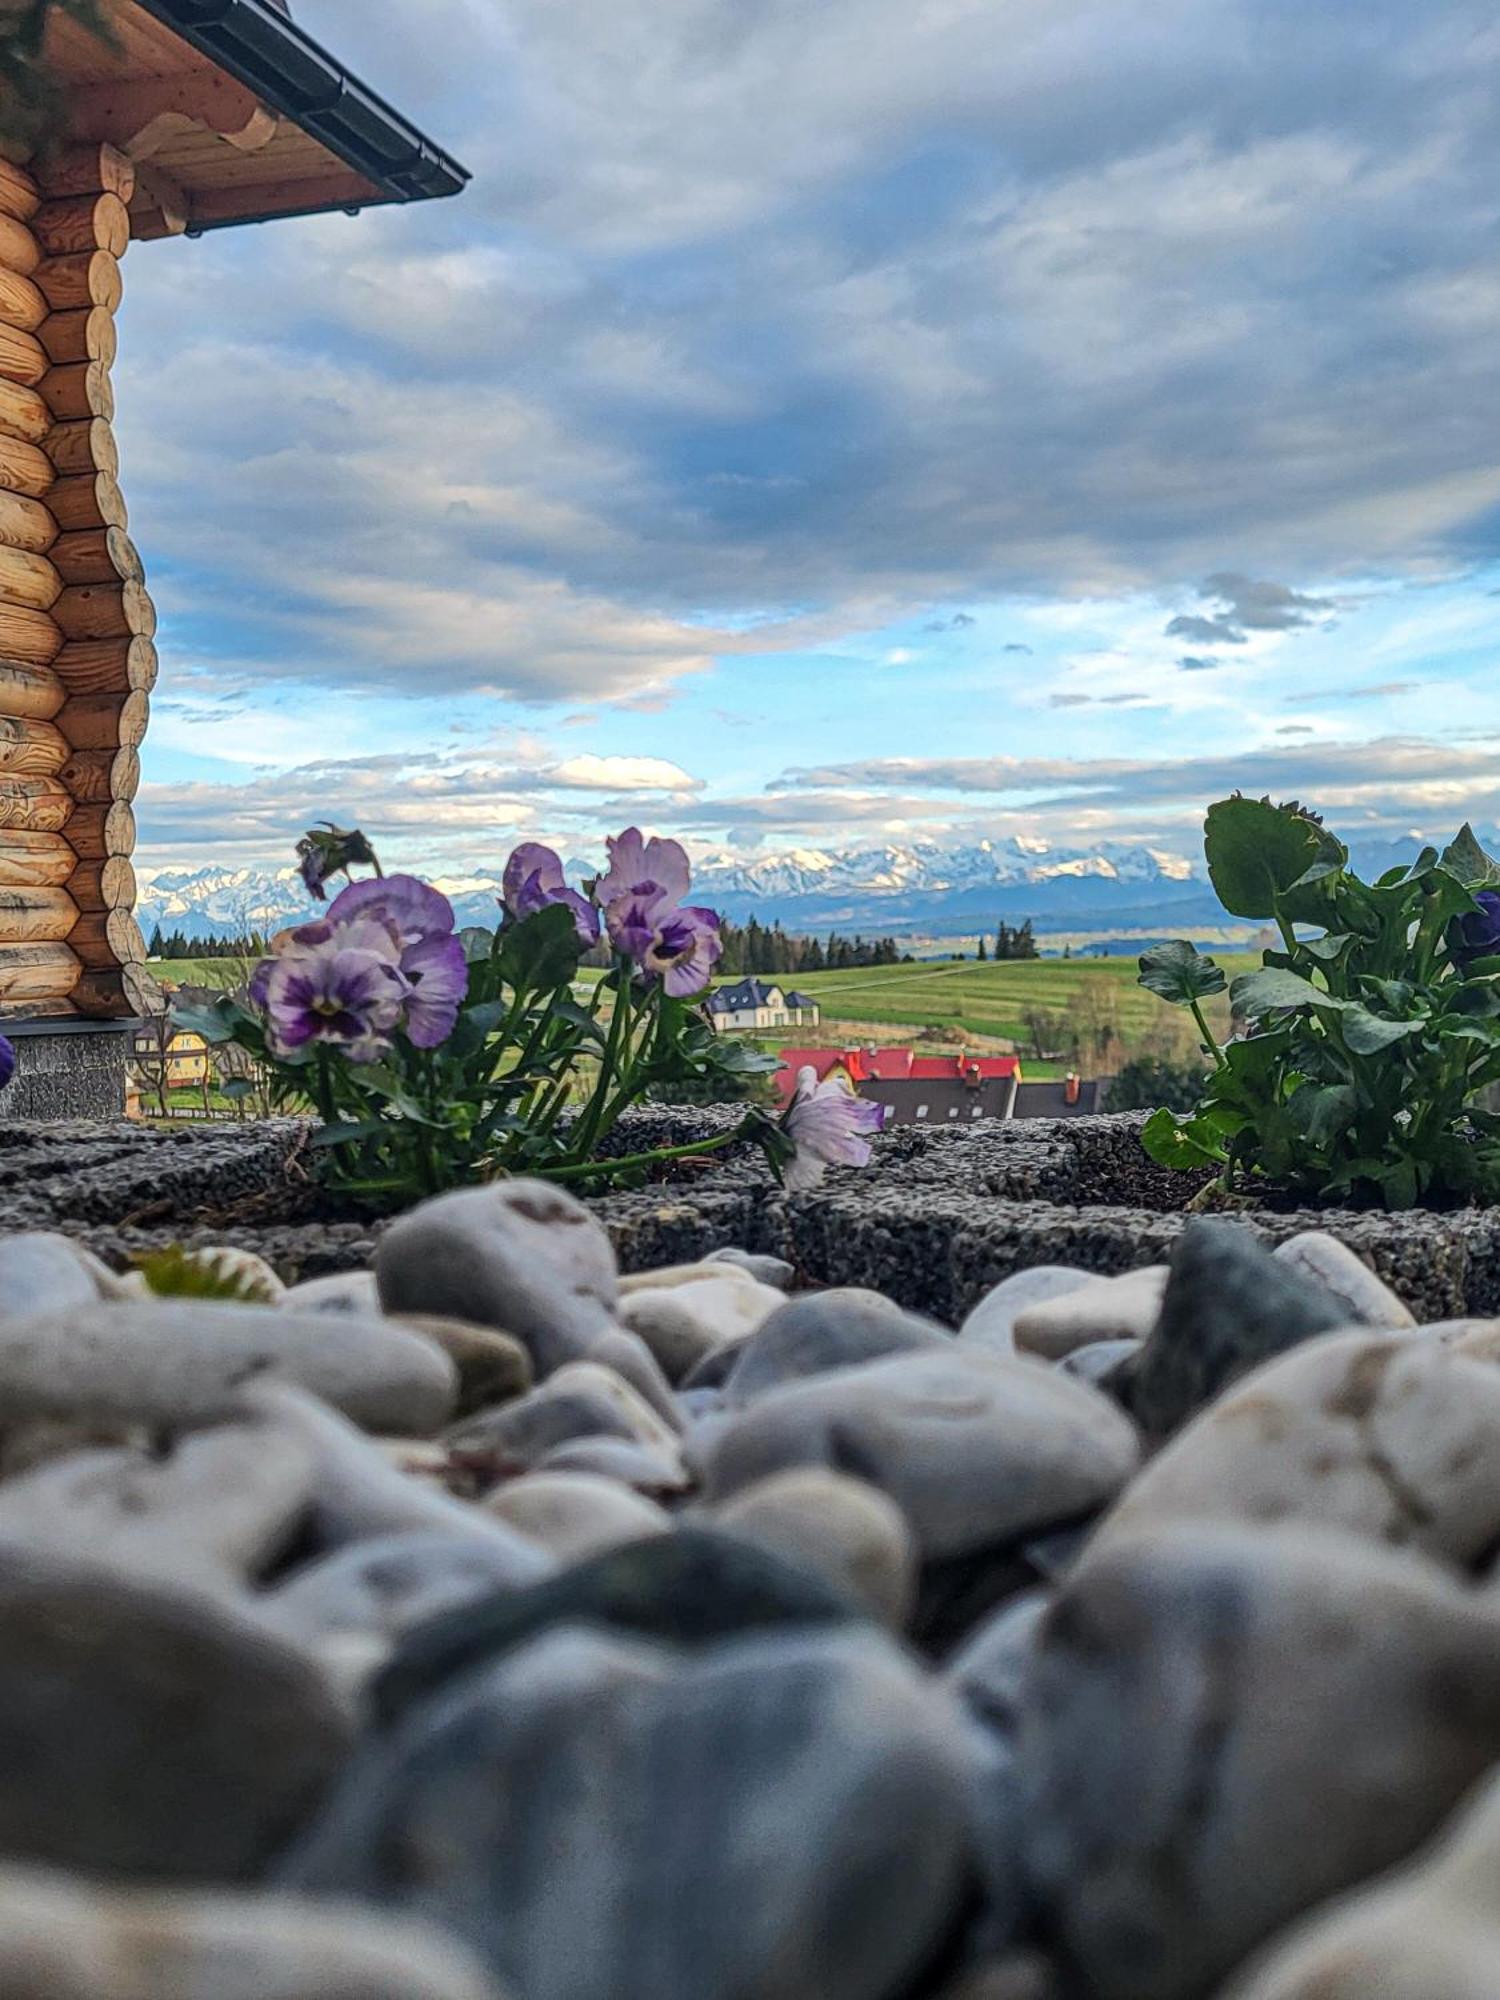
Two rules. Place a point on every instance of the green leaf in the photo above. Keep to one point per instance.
(541, 952)
(477, 942)
(345, 1132)
(1324, 1112)
(216, 1022)
(1367, 1034)
(1257, 993)
(236, 1088)
(580, 1018)
(1180, 1142)
(1179, 972)
(1468, 863)
(1258, 852)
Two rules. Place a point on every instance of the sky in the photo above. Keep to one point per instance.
(836, 425)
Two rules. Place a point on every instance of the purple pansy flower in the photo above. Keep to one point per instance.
(534, 881)
(432, 959)
(828, 1125)
(1479, 931)
(335, 992)
(7, 1062)
(679, 946)
(643, 870)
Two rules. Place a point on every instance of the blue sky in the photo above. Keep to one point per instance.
(825, 426)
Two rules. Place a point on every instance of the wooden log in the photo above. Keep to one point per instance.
(22, 303)
(36, 860)
(91, 167)
(38, 805)
(28, 579)
(104, 721)
(32, 748)
(85, 278)
(26, 524)
(103, 885)
(83, 222)
(36, 916)
(107, 666)
(25, 469)
(19, 194)
(22, 356)
(78, 389)
(115, 993)
(23, 413)
(96, 555)
(28, 636)
(31, 691)
(116, 610)
(88, 500)
(38, 974)
(99, 830)
(85, 446)
(107, 937)
(86, 335)
(97, 777)
(19, 249)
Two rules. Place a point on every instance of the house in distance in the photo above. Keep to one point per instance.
(752, 1003)
(189, 115)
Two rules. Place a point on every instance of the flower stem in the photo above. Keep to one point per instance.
(604, 1169)
(1210, 1040)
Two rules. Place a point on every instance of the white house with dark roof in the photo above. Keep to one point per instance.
(753, 1003)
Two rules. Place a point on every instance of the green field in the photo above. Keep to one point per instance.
(220, 973)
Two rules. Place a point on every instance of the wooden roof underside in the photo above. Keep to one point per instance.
(209, 150)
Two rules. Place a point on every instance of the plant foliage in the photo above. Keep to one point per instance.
(1366, 1045)
(28, 93)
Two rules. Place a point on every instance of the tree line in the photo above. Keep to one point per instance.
(172, 944)
(761, 948)
(1011, 942)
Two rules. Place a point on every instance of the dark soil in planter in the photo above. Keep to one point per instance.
(939, 1217)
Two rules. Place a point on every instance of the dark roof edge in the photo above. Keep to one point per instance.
(266, 51)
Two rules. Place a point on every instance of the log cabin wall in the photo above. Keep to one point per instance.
(77, 659)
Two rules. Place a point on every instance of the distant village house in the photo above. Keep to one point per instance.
(751, 1003)
(943, 1089)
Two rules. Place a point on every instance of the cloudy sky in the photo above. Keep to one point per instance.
(830, 424)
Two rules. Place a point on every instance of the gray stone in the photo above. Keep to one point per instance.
(695, 1587)
(492, 1366)
(152, 1733)
(1018, 1975)
(521, 1255)
(1103, 1309)
(1430, 1931)
(976, 1450)
(682, 1323)
(1367, 1301)
(40, 1273)
(658, 1473)
(185, 1362)
(582, 1399)
(632, 1360)
(826, 1330)
(782, 1819)
(1395, 1439)
(65, 1939)
(339, 1292)
(841, 1527)
(1225, 1727)
(992, 1322)
(216, 1508)
(575, 1514)
(1228, 1306)
(382, 1588)
(773, 1271)
(989, 1672)
(1099, 1363)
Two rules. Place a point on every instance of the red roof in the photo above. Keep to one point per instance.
(891, 1066)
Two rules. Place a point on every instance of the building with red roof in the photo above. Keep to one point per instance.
(941, 1089)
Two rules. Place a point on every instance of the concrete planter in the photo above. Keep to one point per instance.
(937, 1219)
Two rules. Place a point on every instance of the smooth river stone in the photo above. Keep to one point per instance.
(1124, 1308)
(492, 1367)
(1100, 1362)
(1367, 1299)
(41, 1272)
(175, 1362)
(217, 1507)
(821, 1331)
(152, 1733)
(1229, 1305)
(696, 1586)
(632, 1360)
(382, 1588)
(575, 1514)
(1393, 1439)
(780, 1818)
(990, 1671)
(976, 1450)
(581, 1399)
(1431, 1931)
(638, 1466)
(767, 1270)
(62, 1938)
(522, 1255)
(842, 1528)
(681, 1323)
(1225, 1727)
(992, 1322)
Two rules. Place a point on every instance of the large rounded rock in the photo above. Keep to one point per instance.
(379, 1589)
(521, 1255)
(1393, 1439)
(148, 1733)
(781, 1818)
(575, 1514)
(684, 1321)
(1367, 1299)
(1124, 1308)
(43, 1273)
(65, 1939)
(582, 1399)
(975, 1450)
(1225, 1727)
(840, 1527)
(992, 1322)
(169, 1362)
(822, 1331)
(1429, 1932)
